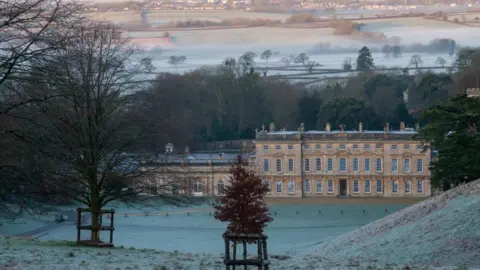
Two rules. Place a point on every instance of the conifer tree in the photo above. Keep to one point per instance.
(365, 60)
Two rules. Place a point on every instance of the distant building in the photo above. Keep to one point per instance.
(343, 163)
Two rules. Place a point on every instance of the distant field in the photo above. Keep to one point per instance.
(159, 16)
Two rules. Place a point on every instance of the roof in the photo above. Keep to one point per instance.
(347, 135)
(200, 158)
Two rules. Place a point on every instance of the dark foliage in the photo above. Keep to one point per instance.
(243, 205)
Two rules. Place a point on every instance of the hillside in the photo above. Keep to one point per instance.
(443, 230)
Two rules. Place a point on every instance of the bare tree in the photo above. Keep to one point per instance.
(310, 65)
(31, 31)
(301, 58)
(87, 131)
(416, 61)
(247, 61)
(287, 60)
(441, 61)
(266, 55)
(347, 64)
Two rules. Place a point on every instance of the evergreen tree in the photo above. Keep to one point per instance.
(452, 130)
(365, 60)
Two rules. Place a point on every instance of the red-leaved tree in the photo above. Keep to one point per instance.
(243, 205)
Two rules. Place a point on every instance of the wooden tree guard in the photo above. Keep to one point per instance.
(262, 256)
(90, 228)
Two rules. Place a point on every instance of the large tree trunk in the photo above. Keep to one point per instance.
(96, 220)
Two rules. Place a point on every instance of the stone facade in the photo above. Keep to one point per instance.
(343, 163)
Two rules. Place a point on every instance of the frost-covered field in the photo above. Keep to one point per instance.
(200, 232)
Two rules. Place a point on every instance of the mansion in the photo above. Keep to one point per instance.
(330, 163)
(356, 163)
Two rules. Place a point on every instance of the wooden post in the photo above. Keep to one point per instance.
(265, 253)
(259, 252)
(111, 225)
(79, 223)
(244, 253)
(234, 252)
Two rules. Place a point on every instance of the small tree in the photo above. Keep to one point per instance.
(387, 49)
(416, 61)
(396, 51)
(441, 61)
(301, 59)
(175, 60)
(347, 64)
(266, 55)
(243, 205)
(287, 60)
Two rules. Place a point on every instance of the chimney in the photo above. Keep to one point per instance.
(342, 127)
(256, 131)
(263, 127)
(327, 127)
(360, 127)
(220, 155)
(302, 127)
(187, 150)
(387, 126)
(402, 125)
(417, 126)
(272, 127)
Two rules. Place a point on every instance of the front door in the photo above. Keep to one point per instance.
(343, 187)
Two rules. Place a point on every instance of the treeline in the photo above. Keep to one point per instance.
(224, 22)
(231, 101)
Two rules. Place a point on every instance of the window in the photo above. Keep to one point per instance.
(267, 184)
(290, 165)
(367, 165)
(419, 186)
(306, 146)
(279, 186)
(394, 165)
(343, 164)
(198, 186)
(330, 186)
(368, 188)
(419, 147)
(265, 147)
(366, 146)
(419, 165)
(330, 164)
(318, 164)
(307, 185)
(394, 186)
(175, 189)
(355, 146)
(329, 146)
(291, 186)
(278, 165)
(407, 186)
(342, 146)
(355, 164)
(355, 186)
(406, 165)
(220, 188)
(379, 164)
(307, 164)
(290, 147)
(319, 186)
(379, 186)
(278, 147)
(394, 147)
(318, 146)
(266, 165)
(378, 146)
(406, 147)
